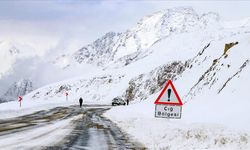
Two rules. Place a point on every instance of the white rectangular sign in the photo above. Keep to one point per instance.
(168, 111)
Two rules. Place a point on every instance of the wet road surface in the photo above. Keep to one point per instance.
(90, 131)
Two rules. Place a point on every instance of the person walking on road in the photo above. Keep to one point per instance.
(127, 101)
(80, 101)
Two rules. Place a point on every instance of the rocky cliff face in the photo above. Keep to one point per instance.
(147, 84)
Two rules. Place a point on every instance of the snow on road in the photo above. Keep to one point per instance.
(64, 128)
(93, 131)
(38, 137)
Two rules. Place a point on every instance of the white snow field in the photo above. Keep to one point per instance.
(213, 85)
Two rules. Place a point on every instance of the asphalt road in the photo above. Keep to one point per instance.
(90, 131)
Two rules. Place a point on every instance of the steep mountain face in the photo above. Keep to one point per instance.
(157, 27)
(19, 88)
(99, 52)
(121, 49)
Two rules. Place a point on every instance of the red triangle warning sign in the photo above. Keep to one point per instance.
(169, 95)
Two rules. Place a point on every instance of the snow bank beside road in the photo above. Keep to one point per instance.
(156, 133)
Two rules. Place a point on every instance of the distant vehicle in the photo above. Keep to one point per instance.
(118, 101)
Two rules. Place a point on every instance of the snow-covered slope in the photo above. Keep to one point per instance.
(214, 89)
(216, 103)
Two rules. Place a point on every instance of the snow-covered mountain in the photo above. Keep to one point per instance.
(207, 59)
(169, 43)
(123, 48)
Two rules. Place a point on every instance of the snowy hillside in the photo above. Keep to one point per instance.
(214, 90)
(176, 44)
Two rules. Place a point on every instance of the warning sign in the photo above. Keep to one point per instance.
(20, 100)
(168, 103)
(169, 95)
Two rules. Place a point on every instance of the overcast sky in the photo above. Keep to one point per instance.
(70, 24)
